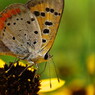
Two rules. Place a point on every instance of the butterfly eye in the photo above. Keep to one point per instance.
(46, 56)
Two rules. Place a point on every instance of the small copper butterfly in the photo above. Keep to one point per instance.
(27, 31)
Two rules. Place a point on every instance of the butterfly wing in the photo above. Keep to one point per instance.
(4, 50)
(48, 13)
(19, 31)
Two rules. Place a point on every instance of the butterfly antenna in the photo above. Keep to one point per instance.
(50, 76)
(55, 70)
(44, 68)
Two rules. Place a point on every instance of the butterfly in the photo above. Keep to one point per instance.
(27, 31)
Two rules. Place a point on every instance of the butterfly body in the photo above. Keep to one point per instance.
(28, 31)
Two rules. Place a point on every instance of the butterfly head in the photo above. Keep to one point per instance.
(41, 59)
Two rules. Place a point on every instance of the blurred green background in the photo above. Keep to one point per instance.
(74, 48)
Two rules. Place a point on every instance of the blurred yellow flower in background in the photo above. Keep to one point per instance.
(76, 90)
(90, 89)
(91, 64)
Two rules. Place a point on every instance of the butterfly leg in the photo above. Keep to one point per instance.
(26, 68)
(28, 57)
(12, 64)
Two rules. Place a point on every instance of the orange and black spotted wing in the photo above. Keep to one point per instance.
(48, 13)
(19, 31)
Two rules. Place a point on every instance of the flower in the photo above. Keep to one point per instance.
(91, 64)
(17, 80)
(75, 89)
(52, 84)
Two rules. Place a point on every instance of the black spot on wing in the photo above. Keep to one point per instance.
(49, 23)
(32, 19)
(13, 38)
(8, 24)
(57, 14)
(4, 29)
(36, 13)
(34, 42)
(47, 9)
(21, 18)
(3, 34)
(43, 14)
(51, 10)
(36, 32)
(44, 40)
(28, 22)
(17, 18)
(24, 34)
(14, 23)
(46, 31)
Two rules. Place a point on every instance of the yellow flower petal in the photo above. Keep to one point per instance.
(45, 84)
(1, 63)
